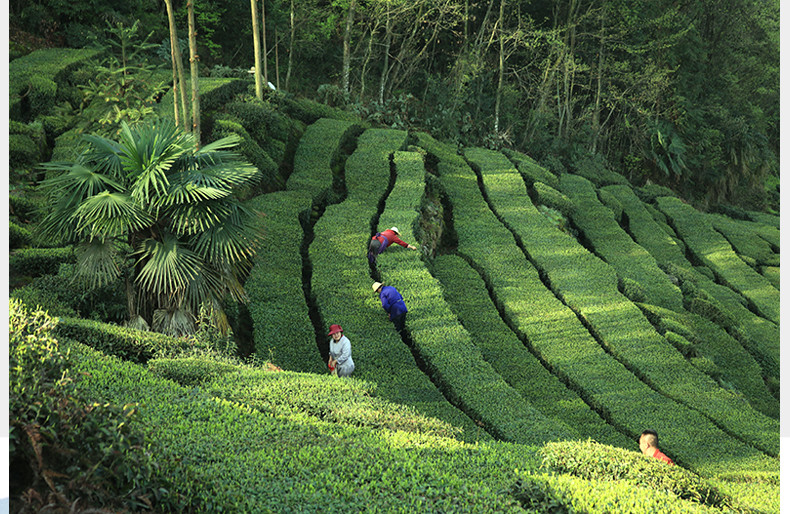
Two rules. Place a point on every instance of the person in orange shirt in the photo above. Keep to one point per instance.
(648, 443)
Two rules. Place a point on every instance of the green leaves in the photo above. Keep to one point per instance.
(175, 205)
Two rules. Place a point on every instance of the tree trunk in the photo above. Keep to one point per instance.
(179, 63)
(596, 117)
(256, 41)
(265, 52)
(193, 71)
(385, 69)
(347, 47)
(173, 44)
(276, 58)
(290, 48)
(501, 66)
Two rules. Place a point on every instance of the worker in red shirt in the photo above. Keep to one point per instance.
(382, 240)
(648, 443)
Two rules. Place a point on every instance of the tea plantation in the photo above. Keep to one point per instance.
(552, 318)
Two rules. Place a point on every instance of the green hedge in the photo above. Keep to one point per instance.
(18, 236)
(466, 293)
(714, 250)
(615, 246)
(745, 239)
(224, 456)
(281, 322)
(550, 197)
(758, 335)
(39, 80)
(594, 169)
(317, 154)
(453, 360)
(593, 461)
(558, 336)
(309, 111)
(251, 150)
(565, 493)
(35, 262)
(345, 402)
(772, 274)
(588, 286)
(214, 94)
(125, 343)
(737, 367)
(531, 170)
(341, 284)
(191, 370)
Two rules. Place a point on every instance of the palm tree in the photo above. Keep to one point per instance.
(157, 211)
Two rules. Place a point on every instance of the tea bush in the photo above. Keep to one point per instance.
(615, 246)
(281, 321)
(452, 358)
(745, 239)
(555, 332)
(593, 461)
(711, 248)
(223, 455)
(758, 335)
(35, 262)
(345, 402)
(531, 170)
(341, 285)
(550, 197)
(466, 293)
(68, 450)
(733, 362)
(39, 80)
(589, 288)
(126, 343)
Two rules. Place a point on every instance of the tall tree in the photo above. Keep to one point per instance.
(152, 208)
(347, 47)
(179, 86)
(265, 51)
(193, 71)
(500, 24)
(256, 41)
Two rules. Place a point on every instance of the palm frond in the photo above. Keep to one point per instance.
(233, 240)
(224, 143)
(97, 263)
(168, 267)
(220, 175)
(109, 215)
(190, 219)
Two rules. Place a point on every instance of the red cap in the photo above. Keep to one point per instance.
(333, 329)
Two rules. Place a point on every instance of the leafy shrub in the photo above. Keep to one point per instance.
(530, 169)
(594, 169)
(682, 344)
(611, 201)
(594, 461)
(126, 343)
(23, 208)
(550, 197)
(66, 449)
(36, 298)
(18, 236)
(34, 80)
(650, 192)
(308, 111)
(632, 290)
(250, 149)
(706, 366)
(190, 371)
(35, 262)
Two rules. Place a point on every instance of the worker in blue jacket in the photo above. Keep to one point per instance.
(392, 302)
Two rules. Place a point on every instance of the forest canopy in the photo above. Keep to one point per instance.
(681, 94)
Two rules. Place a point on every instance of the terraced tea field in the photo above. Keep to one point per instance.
(633, 312)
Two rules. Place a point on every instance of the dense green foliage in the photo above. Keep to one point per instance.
(551, 300)
(67, 449)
